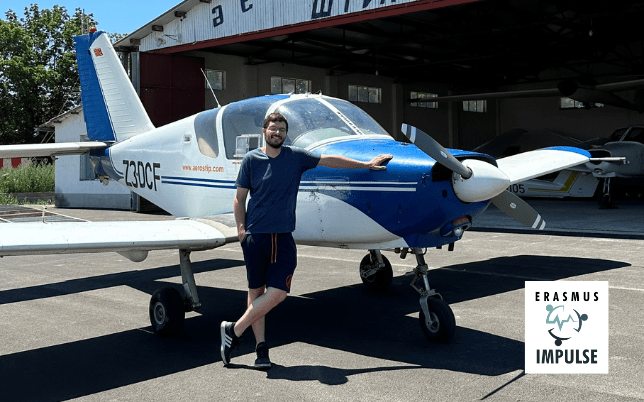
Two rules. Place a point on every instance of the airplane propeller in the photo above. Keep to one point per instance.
(475, 180)
(435, 150)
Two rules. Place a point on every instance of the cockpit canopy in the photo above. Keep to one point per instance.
(311, 119)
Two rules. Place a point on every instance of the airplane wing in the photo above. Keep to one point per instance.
(528, 165)
(130, 239)
(66, 148)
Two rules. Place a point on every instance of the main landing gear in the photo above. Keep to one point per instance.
(605, 198)
(168, 308)
(436, 317)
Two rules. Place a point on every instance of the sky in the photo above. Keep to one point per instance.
(113, 16)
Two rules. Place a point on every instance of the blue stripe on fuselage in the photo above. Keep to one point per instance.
(417, 215)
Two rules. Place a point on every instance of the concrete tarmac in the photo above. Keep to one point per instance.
(76, 327)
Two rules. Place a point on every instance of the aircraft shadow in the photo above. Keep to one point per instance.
(348, 319)
(137, 279)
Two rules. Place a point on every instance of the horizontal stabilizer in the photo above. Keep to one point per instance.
(62, 148)
(123, 237)
(528, 165)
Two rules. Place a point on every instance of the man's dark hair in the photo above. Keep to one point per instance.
(274, 118)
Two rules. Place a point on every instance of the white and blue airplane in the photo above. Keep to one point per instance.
(427, 196)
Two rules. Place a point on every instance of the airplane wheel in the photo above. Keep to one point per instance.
(442, 324)
(380, 281)
(167, 312)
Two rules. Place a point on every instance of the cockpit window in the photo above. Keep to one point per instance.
(310, 121)
(359, 117)
(244, 120)
(635, 134)
(617, 135)
(206, 133)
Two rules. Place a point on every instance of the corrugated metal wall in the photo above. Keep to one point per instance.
(224, 18)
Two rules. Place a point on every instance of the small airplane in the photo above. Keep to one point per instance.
(562, 184)
(428, 196)
(620, 156)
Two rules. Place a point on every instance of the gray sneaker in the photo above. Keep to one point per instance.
(228, 340)
(262, 362)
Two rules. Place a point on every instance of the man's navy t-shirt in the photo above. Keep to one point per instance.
(273, 185)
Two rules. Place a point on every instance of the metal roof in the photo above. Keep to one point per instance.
(483, 45)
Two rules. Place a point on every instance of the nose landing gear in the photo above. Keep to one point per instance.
(436, 318)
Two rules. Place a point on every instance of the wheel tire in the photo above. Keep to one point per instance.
(605, 201)
(166, 312)
(444, 325)
(380, 281)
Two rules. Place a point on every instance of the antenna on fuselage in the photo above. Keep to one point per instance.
(210, 86)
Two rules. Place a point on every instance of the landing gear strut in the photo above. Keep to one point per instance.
(605, 199)
(168, 308)
(436, 317)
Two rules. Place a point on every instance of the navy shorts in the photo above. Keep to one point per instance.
(271, 259)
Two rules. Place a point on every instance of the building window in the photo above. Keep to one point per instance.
(281, 85)
(423, 95)
(359, 93)
(567, 103)
(86, 169)
(478, 106)
(216, 78)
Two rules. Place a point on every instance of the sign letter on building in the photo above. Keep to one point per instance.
(244, 7)
(219, 16)
(319, 12)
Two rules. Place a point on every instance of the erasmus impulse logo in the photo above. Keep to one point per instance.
(566, 327)
(555, 318)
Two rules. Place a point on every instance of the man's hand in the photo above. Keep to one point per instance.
(377, 162)
(239, 208)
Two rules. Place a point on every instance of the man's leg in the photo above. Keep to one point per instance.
(259, 308)
(259, 326)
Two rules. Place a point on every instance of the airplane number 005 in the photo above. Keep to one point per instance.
(141, 174)
(517, 188)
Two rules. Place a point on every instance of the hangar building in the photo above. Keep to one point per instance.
(384, 55)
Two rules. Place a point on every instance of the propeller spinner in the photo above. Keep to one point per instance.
(474, 180)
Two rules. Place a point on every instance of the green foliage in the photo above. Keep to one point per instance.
(38, 71)
(6, 199)
(27, 179)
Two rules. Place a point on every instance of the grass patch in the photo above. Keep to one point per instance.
(34, 178)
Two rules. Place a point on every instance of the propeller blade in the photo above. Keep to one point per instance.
(519, 210)
(435, 150)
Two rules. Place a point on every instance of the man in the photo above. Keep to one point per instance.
(272, 176)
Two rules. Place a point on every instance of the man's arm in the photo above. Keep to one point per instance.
(342, 162)
(239, 208)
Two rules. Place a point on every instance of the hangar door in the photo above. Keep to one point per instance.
(172, 87)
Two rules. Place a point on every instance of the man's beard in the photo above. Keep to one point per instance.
(275, 143)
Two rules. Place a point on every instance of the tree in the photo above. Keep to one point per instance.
(38, 71)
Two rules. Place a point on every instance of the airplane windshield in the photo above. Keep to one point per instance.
(635, 134)
(311, 121)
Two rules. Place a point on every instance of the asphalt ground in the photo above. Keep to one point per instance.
(77, 326)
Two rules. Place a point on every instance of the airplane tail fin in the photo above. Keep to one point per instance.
(112, 108)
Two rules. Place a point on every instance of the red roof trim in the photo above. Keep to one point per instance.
(391, 11)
